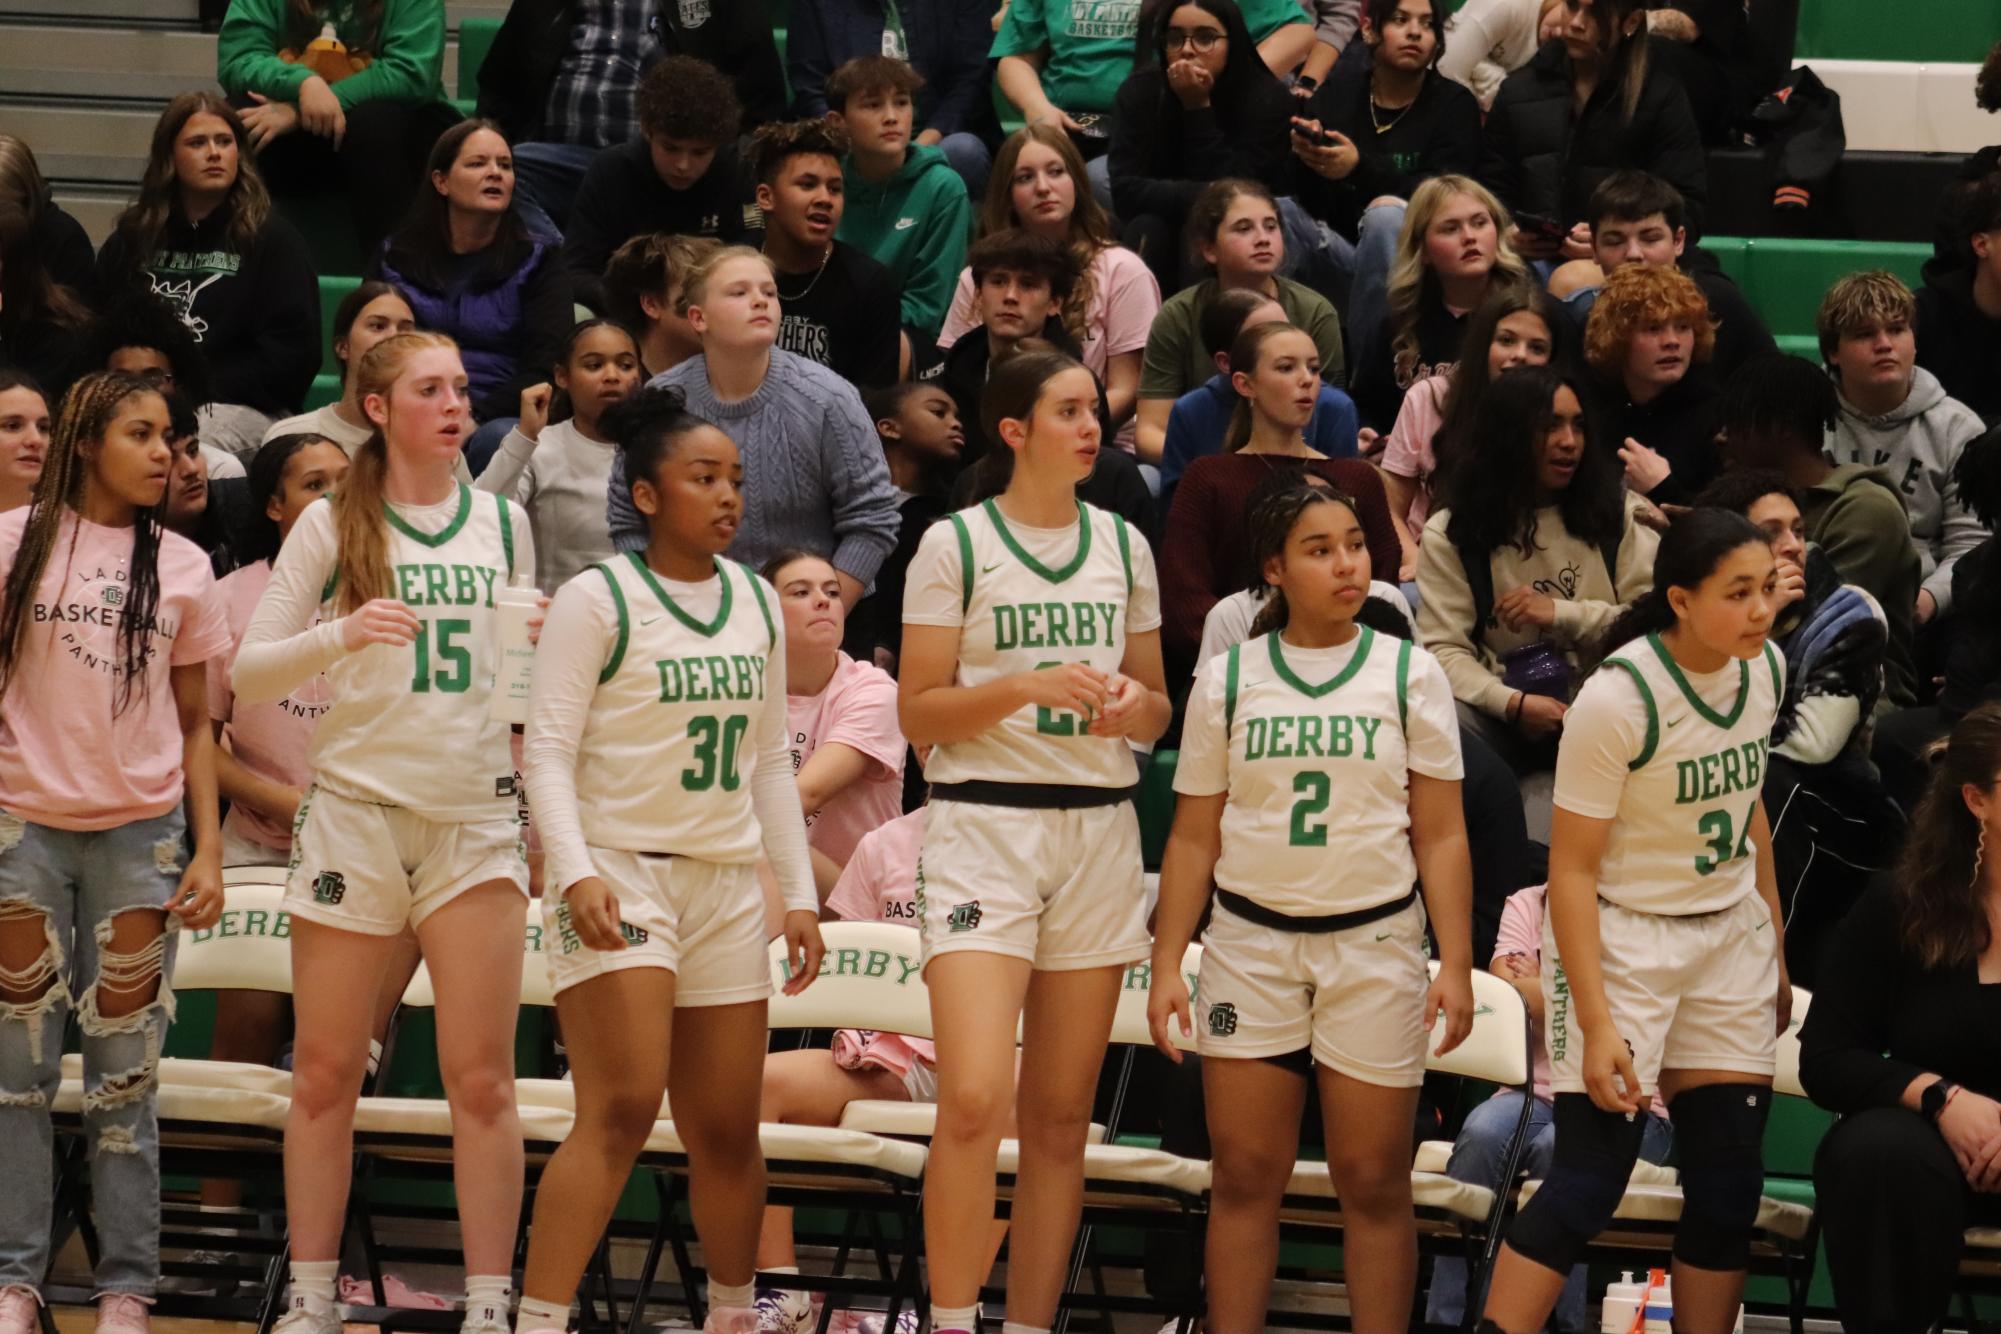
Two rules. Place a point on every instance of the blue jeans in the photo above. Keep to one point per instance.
(76, 884)
(546, 178)
(1476, 1160)
(969, 155)
(1354, 275)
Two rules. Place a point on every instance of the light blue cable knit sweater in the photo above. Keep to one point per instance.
(814, 476)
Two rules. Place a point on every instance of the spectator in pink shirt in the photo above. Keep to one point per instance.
(107, 765)
(1517, 326)
(1483, 1140)
(847, 750)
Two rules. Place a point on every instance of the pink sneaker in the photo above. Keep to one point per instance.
(730, 1320)
(18, 1310)
(122, 1313)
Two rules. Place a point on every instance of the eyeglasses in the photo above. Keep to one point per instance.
(1202, 41)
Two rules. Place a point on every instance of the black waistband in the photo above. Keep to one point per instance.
(1032, 796)
(1338, 921)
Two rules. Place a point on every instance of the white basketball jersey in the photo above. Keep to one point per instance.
(1318, 817)
(409, 724)
(669, 746)
(1681, 841)
(1019, 614)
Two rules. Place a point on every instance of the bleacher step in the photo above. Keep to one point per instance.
(97, 208)
(84, 143)
(143, 64)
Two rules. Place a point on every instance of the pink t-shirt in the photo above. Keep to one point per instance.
(1407, 448)
(879, 883)
(1520, 932)
(857, 709)
(1125, 298)
(270, 740)
(65, 761)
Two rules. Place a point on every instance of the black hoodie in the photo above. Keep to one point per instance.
(256, 314)
(1958, 342)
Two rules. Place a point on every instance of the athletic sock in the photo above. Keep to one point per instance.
(313, 1283)
(947, 1318)
(487, 1298)
(739, 1296)
(535, 1315)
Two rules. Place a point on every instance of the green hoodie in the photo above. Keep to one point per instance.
(408, 47)
(914, 224)
(1856, 517)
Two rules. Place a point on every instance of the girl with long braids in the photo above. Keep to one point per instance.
(1031, 665)
(106, 622)
(1664, 971)
(388, 589)
(1319, 782)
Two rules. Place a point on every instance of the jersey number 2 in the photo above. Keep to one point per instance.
(454, 673)
(1715, 827)
(712, 735)
(1314, 789)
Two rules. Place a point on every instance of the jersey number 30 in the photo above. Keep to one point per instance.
(1723, 847)
(716, 742)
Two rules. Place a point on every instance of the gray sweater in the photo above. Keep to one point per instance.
(814, 476)
(1918, 444)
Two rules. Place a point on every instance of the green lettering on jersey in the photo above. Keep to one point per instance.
(1368, 726)
(1007, 628)
(711, 676)
(1310, 737)
(1255, 739)
(1056, 625)
(1739, 768)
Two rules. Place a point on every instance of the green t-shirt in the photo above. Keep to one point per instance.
(1091, 43)
(1175, 361)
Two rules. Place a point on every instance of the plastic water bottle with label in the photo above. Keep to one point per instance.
(513, 607)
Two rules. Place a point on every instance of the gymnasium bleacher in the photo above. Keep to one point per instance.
(83, 81)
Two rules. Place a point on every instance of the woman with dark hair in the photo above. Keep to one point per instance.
(1904, 1041)
(1200, 105)
(140, 334)
(41, 315)
(59, 240)
(471, 270)
(344, 93)
(1664, 975)
(24, 437)
(1528, 556)
(203, 237)
(1586, 106)
(1517, 326)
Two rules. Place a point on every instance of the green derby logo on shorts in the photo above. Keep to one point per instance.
(634, 935)
(1222, 1020)
(329, 887)
(965, 917)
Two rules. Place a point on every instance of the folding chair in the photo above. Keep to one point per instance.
(1451, 1215)
(1784, 1235)
(869, 979)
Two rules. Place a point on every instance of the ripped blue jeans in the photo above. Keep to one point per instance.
(74, 885)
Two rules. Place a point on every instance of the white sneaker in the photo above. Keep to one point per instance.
(303, 1317)
(785, 1311)
(486, 1318)
(19, 1310)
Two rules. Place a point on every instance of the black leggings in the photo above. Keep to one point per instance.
(376, 168)
(1893, 1205)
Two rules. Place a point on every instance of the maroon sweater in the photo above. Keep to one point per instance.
(1205, 554)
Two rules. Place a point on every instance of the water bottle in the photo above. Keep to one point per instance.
(514, 656)
(1660, 1303)
(1623, 1301)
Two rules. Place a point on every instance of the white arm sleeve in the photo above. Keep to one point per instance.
(282, 648)
(568, 662)
(774, 793)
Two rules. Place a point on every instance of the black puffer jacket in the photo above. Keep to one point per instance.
(1540, 158)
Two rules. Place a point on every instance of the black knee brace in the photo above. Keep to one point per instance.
(1595, 1152)
(1719, 1132)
